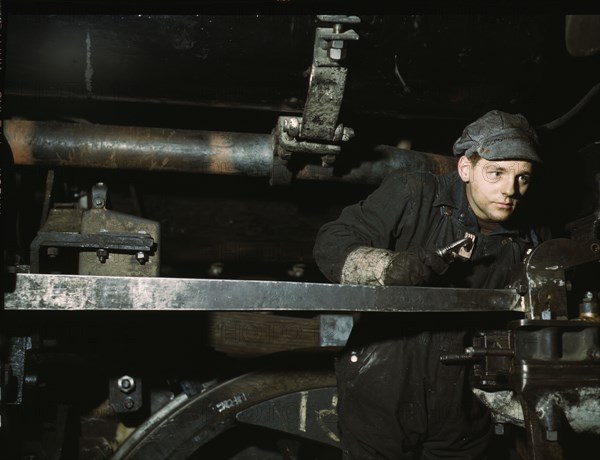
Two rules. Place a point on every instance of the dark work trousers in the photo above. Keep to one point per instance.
(397, 400)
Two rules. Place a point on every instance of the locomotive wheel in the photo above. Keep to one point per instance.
(186, 424)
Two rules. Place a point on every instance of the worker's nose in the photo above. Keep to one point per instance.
(509, 186)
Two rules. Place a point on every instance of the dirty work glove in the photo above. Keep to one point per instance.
(382, 267)
(413, 268)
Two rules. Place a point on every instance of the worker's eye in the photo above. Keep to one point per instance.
(493, 175)
(524, 179)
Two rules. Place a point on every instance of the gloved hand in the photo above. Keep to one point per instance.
(382, 267)
(413, 268)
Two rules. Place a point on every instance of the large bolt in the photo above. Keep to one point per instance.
(141, 257)
(126, 384)
(52, 252)
(102, 255)
(336, 54)
(216, 269)
(347, 134)
(589, 308)
(297, 271)
(594, 354)
(521, 288)
(291, 126)
(128, 403)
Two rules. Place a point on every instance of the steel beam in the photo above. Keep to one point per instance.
(77, 292)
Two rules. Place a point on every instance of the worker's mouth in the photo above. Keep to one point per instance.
(505, 206)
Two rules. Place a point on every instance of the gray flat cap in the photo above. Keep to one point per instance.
(499, 136)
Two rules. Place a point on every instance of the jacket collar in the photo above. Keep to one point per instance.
(452, 194)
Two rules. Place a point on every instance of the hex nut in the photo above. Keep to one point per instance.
(126, 384)
(336, 54)
(141, 257)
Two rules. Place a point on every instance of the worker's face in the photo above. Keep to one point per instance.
(495, 188)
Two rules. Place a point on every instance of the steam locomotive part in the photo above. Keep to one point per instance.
(108, 351)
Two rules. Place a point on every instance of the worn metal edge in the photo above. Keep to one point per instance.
(77, 292)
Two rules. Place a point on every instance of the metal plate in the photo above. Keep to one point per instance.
(76, 292)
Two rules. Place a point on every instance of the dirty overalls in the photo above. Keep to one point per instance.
(396, 399)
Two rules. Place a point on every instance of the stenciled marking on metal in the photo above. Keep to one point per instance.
(78, 292)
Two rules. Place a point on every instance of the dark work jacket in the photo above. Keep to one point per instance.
(396, 400)
(428, 210)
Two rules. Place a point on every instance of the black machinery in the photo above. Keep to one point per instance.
(167, 304)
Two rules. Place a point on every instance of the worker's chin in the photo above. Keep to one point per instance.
(500, 216)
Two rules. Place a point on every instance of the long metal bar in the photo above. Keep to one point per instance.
(55, 144)
(128, 147)
(77, 292)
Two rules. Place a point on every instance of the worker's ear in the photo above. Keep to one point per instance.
(465, 168)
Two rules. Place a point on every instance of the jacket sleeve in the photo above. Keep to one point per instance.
(374, 222)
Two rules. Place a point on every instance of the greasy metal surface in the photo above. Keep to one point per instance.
(103, 221)
(323, 103)
(310, 414)
(554, 377)
(117, 147)
(72, 292)
(553, 374)
(118, 242)
(187, 424)
(544, 275)
(327, 82)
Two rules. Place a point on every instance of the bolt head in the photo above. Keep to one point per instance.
(291, 126)
(216, 269)
(336, 54)
(128, 403)
(102, 255)
(141, 257)
(126, 384)
(347, 134)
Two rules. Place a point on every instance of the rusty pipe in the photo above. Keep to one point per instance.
(55, 144)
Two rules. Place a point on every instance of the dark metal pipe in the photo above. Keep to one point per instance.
(119, 147)
(55, 144)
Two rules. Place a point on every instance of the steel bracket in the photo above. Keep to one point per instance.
(318, 132)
